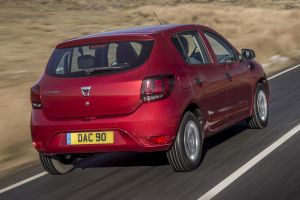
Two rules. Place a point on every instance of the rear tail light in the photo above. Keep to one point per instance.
(157, 87)
(35, 97)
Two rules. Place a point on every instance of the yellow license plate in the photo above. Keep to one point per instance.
(101, 137)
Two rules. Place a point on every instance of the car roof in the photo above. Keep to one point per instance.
(139, 30)
(143, 31)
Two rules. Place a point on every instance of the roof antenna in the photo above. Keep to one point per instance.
(157, 18)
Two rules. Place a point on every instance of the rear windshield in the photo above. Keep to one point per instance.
(98, 58)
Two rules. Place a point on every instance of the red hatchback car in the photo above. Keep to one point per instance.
(157, 88)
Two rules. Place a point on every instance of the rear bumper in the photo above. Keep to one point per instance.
(131, 132)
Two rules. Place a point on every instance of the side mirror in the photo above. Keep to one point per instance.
(248, 54)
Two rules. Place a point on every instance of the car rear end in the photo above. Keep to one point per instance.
(104, 94)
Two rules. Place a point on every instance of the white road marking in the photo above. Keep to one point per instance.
(23, 182)
(283, 72)
(239, 172)
(206, 196)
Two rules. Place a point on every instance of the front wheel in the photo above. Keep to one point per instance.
(57, 165)
(260, 116)
(185, 154)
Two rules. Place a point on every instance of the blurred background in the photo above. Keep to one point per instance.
(30, 29)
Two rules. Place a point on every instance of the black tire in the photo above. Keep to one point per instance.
(178, 153)
(57, 165)
(256, 121)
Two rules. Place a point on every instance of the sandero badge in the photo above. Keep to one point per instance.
(157, 88)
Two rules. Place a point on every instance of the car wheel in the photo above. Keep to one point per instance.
(185, 153)
(260, 116)
(57, 165)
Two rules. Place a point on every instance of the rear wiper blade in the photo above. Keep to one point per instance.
(102, 69)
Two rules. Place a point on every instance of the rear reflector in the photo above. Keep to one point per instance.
(37, 145)
(157, 87)
(159, 139)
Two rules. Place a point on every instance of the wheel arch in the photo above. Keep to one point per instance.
(264, 82)
(197, 111)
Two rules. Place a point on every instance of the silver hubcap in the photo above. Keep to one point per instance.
(192, 141)
(262, 105)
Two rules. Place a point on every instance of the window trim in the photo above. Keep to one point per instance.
(186, 57)
(200, 42)
(218, 37)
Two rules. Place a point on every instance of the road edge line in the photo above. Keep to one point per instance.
(23, 182)
(243, 169)
(283, 72)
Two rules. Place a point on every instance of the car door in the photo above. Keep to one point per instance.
(238, 77)
(206, 78)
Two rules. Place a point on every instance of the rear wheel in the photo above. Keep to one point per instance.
(260, 116)
(185, 154)
(57, 165)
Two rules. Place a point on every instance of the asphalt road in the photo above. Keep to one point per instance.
(148, 176)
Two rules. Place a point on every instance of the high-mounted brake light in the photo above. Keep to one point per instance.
(157, 87)
(35, 97)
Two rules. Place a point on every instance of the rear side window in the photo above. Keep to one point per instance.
(191, 47)
(98, 58)
(223, 51)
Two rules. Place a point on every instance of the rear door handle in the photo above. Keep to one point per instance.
(228, 76)
(198, 81)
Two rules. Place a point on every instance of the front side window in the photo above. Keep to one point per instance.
(223, 51)
(190, 47)
(98, 58)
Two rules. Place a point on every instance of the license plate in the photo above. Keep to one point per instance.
(101, 137)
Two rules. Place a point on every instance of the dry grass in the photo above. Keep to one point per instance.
(30, 29)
